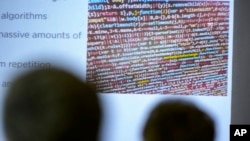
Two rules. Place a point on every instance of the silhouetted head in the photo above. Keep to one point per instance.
(176, 120)
(51, 105)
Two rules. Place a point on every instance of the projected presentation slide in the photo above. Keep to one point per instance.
(158, 47)
(136, 52)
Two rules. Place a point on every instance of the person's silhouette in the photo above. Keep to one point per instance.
(177, 120)
(51, 105)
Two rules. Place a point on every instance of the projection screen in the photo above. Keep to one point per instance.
(137, 53)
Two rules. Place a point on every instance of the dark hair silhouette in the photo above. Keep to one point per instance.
(176, 120)
(51, 105)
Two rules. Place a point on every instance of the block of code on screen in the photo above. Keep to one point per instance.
(158, 47)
